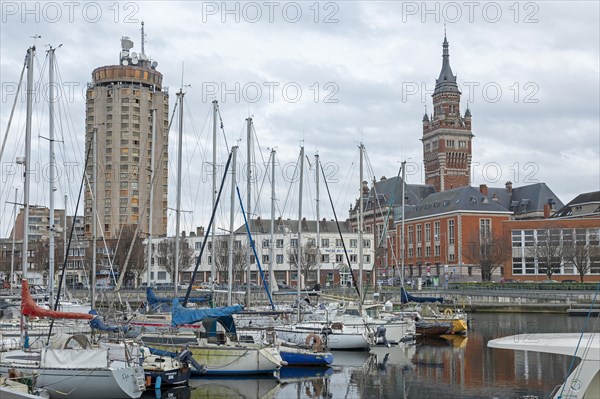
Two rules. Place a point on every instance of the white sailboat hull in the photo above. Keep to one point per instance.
(76, 379)
(348, 338)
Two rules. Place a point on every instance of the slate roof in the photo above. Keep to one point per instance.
(388, 192)
(525, 199)
(585, 198)
(454, 200)
(447, 80)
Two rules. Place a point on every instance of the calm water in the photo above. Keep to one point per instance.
(461, 367)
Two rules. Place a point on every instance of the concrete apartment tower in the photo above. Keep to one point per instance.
(119, 107)
(446, 134)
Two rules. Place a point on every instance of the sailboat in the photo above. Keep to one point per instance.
(217, 346)
(82, 373)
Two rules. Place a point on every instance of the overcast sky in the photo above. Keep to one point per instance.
(325, 75)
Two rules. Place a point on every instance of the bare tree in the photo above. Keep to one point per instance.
(220, 253)
(550, 251)
(120, 248)
(308, 260)
(166, 255)
(488, 252)
(582, 254)
(41, 255)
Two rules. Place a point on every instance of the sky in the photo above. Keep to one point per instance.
(323, 75)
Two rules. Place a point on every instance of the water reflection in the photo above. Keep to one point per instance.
(211, 388)
(450, 367)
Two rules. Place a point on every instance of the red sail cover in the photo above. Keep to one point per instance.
(30, 308)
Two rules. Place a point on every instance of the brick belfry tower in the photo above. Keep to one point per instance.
(446, 134)
(119, 107)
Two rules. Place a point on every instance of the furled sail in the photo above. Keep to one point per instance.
(31, 309)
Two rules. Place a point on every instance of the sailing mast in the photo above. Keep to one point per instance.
(231, 228)
(360, 228)
(318, 246)
(248, 202)
(51, 98)
(178, 206)
(94, 213)
(272, 282)
(214, 195)
(11, 280)
(27, 161)
(149, 247)
(299, 253)
(402, 225)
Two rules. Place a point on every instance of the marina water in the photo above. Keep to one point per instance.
(452, 367)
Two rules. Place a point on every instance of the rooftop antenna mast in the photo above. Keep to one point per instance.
(143, 38)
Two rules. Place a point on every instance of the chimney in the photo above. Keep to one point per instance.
(546, 211)
(508, 186)
(200, 231)
(365, 188)
(483, 189)
(495, 198)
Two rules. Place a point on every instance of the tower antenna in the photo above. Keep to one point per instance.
(143, 38)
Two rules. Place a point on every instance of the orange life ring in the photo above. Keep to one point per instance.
(317, 342)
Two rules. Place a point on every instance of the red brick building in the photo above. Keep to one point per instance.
(573, 231)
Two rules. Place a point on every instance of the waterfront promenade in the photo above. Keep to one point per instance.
(474, 297)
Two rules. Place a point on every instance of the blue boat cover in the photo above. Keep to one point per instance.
(98, 324)
(154, 300)
(208, 316)
(406, 297)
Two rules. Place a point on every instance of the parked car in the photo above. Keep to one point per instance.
(569, 281)
(165, 286)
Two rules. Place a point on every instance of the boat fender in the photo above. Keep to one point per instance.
(158, 382)
(448, 312)
(317, 342)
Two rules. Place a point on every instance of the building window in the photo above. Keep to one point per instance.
(367, 243)
(436, 250)
(279, 243)
(339, 243)
(325, 242)
(294, 243)
(339, 258)
(410, 253)
(436, 231)
(449, 143)
(353, 243)
(279, 259)
(325, 258)
(451, 231)
(367, 258)
(427, 232)
(410, 234)
(419, 252)
(428, 251)
(265, 259)
(353, 258)
(485, 229)
(265, 244)
(419, 234)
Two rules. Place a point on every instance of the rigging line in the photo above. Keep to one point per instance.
(222, 126)
(208, 229)
(253, 245)
(12, 111)
(337, 224)
(291, 186)
(204, 156)
(64, 266)
(191, 157)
